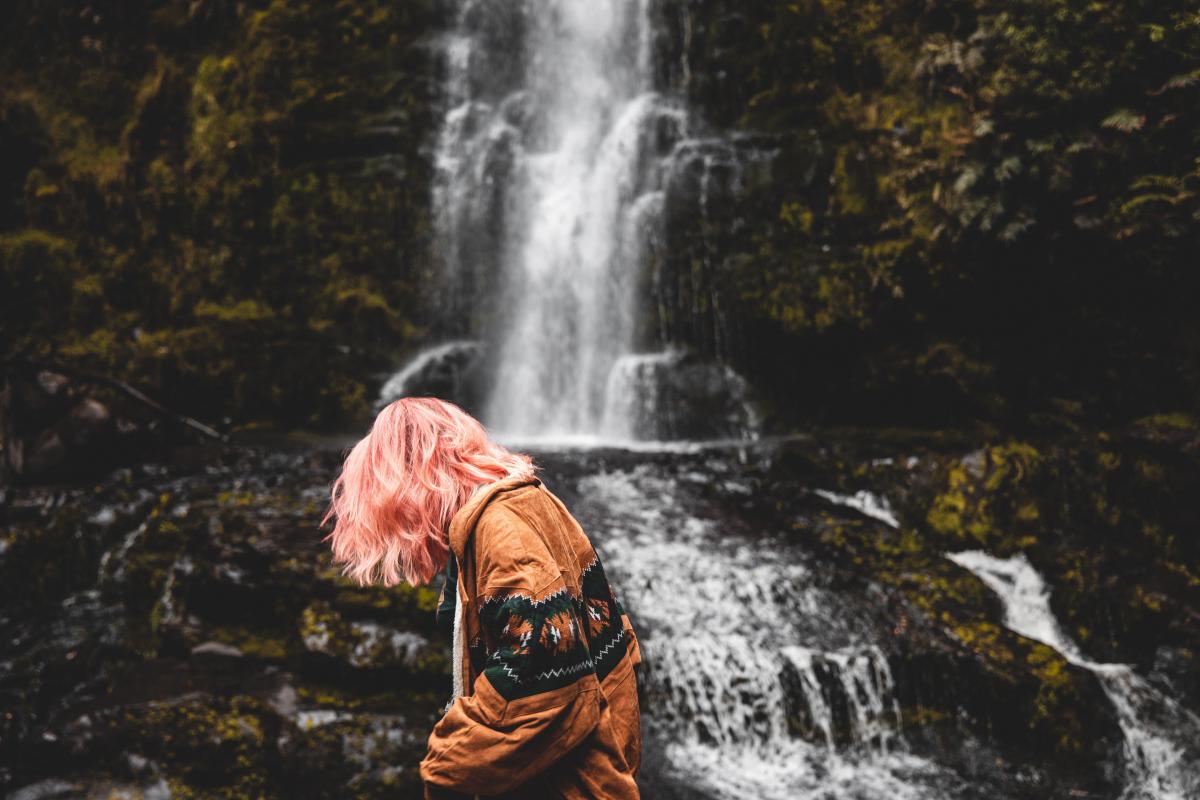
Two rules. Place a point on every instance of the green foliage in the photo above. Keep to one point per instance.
(1084, 514)
(201, 208)
(1017, 181)
(35, 269)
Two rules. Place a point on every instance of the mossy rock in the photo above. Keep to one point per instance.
(368, 645)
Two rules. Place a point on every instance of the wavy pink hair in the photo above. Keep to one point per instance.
(402, 484)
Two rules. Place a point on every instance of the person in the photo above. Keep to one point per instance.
(544, 696)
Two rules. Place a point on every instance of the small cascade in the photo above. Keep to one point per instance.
(846, 696)
(670, 395)
(1162, 761)
(864, 502)
(761, 683)
(437, 370)
(633, 407)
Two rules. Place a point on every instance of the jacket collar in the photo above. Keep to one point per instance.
(463, 522)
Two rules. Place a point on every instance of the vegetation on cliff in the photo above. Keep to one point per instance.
(224, 203)
(977, 211)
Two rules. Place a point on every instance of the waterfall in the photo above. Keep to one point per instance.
(863, 679)
(1158, 731)
(550, 162)
(556, 156)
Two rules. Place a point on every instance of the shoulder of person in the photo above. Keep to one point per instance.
(511, 554)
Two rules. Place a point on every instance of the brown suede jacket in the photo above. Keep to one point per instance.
(547, 706)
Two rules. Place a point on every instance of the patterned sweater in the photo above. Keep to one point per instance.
(545, 696)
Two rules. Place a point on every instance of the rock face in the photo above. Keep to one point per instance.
(449, 371)
(675, 395)
(1089, 515)
(55, 429)
(186, 636)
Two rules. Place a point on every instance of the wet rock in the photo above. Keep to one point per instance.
(216, 650)
(81, 434)
(374, 753)
(125, 608)
(56, 430)
(675, 395)
(164, 625)
(447, 370)
(365, 644)
(47, 790)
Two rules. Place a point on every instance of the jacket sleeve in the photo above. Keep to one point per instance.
(537, 696)
(635, 649)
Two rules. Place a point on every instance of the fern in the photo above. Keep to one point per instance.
(1125, 120)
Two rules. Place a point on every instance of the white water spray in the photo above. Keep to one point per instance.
(864, 502)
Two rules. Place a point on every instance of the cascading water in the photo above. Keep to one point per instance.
(439, 368)
(864, 502)
(1161, 761)
(562, 169)
(553, 164)
(761, 683)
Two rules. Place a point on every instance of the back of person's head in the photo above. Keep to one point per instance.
(403, 482)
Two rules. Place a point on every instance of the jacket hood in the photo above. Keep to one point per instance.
(464, 520)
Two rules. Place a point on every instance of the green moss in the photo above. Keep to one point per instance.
(401, 599)
(918, 715)
(1057, 698)
(1150, 471)
(1178, 421)
(240, 312)
(985, 639)
(262, 644)
(989, 498)
(205, 747)
(216, 169)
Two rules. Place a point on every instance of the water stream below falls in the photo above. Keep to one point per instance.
(1162, 761)
(762, 682)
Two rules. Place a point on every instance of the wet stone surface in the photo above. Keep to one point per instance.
(179, 632)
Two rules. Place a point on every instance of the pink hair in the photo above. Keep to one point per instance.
(403, 482)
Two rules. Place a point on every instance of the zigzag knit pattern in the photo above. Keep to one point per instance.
(608, 648)
(533, 645)
(501, 597)
(558, 672)
(606, 632)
